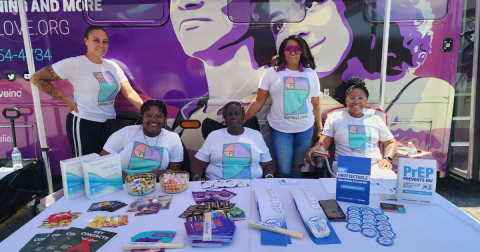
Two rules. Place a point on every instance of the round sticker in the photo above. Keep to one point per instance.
(386, 223)
(383, 228)
(367, 225)
(368, 216)
(388, 234)
(370, 233)
(365, 208)
(367, 212)
(381, 217)
(355, 221)
(354, 227)
(369, 221)
(385, 241)
(273, 222)
(377, 211)
(353, 212)
(354, 216)
(354, 208)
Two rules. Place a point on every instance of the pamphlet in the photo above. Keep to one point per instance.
(417, 180)
(353, 179)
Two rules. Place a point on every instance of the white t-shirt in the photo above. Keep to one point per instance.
(357, 137)
(291, 93)
(140, 153)
(95, 86)
(234, 157)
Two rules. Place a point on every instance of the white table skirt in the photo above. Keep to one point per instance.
(443, 227)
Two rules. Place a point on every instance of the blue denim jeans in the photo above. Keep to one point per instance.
(290, 149)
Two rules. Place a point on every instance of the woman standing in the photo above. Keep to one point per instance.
(96, 83)
(295, 90)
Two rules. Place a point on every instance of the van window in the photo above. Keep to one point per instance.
(407, 10)
(266, 11)
(128, 12)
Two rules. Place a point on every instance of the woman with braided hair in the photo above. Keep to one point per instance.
(147, 147)
(235, 152)
(357, 134)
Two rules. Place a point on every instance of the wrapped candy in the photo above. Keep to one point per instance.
(174, 182)
(141, 183)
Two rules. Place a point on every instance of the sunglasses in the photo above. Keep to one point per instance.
(290, 49)
(159, 116)
(360, 99)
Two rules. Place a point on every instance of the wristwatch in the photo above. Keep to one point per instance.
(267, 176)
(389, 159)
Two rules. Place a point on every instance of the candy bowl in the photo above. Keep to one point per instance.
(141, 183)
(174, 182)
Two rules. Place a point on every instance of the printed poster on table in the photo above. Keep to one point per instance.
(416, 180)
(353, 179)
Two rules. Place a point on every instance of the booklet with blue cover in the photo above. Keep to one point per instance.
(353, 179)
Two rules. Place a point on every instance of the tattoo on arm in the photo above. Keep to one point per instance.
(42, 79)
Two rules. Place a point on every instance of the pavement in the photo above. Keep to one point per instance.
(466, 196)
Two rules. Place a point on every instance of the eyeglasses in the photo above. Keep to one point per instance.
(290, 49)
(159, 116)
(360, 99)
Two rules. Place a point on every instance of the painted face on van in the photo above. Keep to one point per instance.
(200, 25)
(325, 29)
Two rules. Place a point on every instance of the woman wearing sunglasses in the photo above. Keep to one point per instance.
(147, 147)
(355, 133)
(294, 88)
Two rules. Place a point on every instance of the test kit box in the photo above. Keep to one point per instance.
(72, 176)
(416, 180)
(103, 175)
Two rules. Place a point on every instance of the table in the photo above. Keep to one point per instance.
(443, 227)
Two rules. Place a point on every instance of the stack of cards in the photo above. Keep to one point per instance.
(150, 205)
(222, 231)
(110, 206)
(60, 219)
(208, 196)
(109, 221)
(212, 184)
(153, 236)
(223, 209)
(371, 223)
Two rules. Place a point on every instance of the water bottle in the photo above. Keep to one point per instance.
(411, 150)
(322, 148)
(16, 159)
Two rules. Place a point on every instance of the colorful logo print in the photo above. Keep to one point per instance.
(295, 94)
(145, 157)
(236, 160)
(108, 86)
(359, 137)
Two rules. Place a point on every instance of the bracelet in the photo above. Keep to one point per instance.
(271, 176)
(194, 177)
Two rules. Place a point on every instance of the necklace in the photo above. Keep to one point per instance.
(146, 142)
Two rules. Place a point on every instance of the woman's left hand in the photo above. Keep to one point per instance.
(384, 164)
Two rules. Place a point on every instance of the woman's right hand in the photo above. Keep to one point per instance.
(309, 156)
(70, 104)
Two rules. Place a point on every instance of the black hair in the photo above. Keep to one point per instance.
(306, 59)
(91, 28)
(356, 82)
(151, 103)
(238, 104)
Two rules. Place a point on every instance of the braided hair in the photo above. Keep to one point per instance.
(355, 82)
(238, 104)
(150, 103)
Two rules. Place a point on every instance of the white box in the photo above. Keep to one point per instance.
(416, 180)
(103, 175)
(72, 176)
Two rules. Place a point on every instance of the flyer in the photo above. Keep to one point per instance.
(417, 180)
(353, 179)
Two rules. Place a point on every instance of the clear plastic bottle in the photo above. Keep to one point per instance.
(16, 159)
(322, 148)
(411, 150)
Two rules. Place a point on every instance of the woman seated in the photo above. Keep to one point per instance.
(147, 147)
(235, 152)
(357, 134)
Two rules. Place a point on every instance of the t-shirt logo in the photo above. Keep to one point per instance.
(360, 136)
(236, 161)
(145, 156)
(108, 87)
(296, 90)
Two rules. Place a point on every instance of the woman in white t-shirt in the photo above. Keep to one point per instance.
(235, 152)
(355, 133)
(147, 147)
(294, 88)
(96, 83)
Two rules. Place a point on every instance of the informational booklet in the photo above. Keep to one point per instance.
(103, 175)
(417, 180)
(353, 179)
(35, 242)
(46, 244)
(89, 239)
(72, 176)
